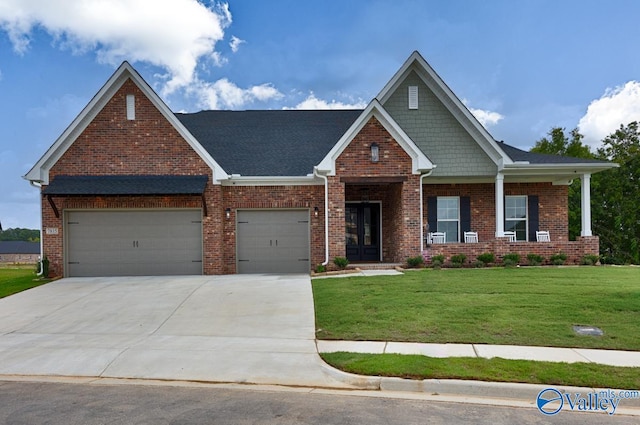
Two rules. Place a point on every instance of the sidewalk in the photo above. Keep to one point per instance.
(512, 352)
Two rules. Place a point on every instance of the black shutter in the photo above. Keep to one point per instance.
(534, 225)
(432, 213)
(465, 216)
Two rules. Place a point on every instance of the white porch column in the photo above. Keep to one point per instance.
(499, 205)
(585, 205)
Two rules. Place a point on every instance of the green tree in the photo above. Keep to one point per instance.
(559, 143)
(19, 234)
(616, 200)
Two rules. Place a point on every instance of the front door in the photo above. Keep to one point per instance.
(362, 232)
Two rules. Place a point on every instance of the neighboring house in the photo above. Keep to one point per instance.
(19, 252)
(132, 188)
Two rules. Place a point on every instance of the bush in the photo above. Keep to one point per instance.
(509, 263)
(320, 268)
(415, 262)
(535, 259)
(458, 260)
(487, 258)
(512, 257)
(590, 260)
(341, 262)
(477, 264)
(558, 259)
(437, 261)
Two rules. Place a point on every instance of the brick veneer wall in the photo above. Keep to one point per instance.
(552, 205)
(274, 197)
(112, 145)
(400, 201)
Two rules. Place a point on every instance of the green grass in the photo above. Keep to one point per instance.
(497, 370)
(519, 306)
(15, 279)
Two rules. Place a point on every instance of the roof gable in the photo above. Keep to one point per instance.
(40, 171)
(419, 162)
(416, 64)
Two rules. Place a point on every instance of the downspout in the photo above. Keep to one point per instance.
(39, 186)
(422, 211)
(326, 215)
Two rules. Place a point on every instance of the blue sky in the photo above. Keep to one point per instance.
(522, 67)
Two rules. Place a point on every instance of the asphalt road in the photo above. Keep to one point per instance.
(60, 403)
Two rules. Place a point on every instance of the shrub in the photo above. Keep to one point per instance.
(477, 264)
(437, 261)
(590, 260)
(509, 263)
(512, 258)
(558, 259)
(341, 262)
(415, 262)
(458, 260)
(487, 258)
(535, 259)
(320, 268)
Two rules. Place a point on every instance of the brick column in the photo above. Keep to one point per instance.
(336, 219)
(410, 244)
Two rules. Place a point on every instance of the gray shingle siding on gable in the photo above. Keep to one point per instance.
(438, 133)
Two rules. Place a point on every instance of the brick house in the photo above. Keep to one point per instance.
(131, 188)
(19, 252)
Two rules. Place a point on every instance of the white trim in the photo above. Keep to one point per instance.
(40, 171)
(237, 180)
(431, 79)
(419, 161)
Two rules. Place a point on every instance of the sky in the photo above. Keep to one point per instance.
(521, 67)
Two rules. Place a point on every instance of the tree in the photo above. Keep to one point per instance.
(616, 215)
(560, 143)
(19, 234)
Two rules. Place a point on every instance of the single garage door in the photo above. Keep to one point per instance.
(273, 241)
(134, 243)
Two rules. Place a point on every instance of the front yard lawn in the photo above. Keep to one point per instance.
(15, 279)
(518, 306)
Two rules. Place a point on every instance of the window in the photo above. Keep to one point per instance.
(449, 217)
(131, 107)
(515, 215)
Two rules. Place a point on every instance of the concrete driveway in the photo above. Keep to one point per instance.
(239, 328)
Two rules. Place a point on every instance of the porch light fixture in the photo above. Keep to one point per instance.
(228, 213)
(375, 152)
(315, 211)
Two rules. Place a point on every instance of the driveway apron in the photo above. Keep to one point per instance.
(238, 328)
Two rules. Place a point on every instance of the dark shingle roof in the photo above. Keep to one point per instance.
(539, 158)
(19, 247)
(126, 185)
(269, 143)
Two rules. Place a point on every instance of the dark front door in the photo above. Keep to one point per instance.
(362, 232)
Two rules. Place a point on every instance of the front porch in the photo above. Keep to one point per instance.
(574, 250)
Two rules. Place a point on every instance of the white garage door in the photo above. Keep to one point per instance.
(273, 241)
(134, 243)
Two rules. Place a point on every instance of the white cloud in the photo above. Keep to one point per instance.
(235, 43)
(487, 118)
(617, 106)
(312, 102)
(224, 94)
(173, 35)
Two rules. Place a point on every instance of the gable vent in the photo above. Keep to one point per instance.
(413, 97)
(131, 107)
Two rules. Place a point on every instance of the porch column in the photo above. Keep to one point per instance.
(585, 204)
(499, 205)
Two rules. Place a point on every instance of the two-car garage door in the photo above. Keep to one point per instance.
(134, 243)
